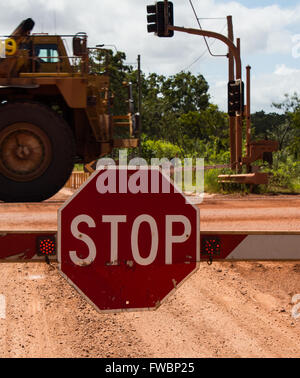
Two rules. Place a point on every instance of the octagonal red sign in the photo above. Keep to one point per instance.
(127, 238)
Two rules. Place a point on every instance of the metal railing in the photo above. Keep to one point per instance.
(77, 179)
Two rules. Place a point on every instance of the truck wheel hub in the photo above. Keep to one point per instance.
(25, 152)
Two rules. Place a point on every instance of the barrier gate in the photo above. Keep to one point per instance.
(214, 246)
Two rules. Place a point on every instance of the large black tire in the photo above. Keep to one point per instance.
(36, 152)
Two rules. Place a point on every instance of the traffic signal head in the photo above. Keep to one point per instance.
(156, 19)
(151, 19)
(235, 97)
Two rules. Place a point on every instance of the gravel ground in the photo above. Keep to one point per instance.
(241, 309)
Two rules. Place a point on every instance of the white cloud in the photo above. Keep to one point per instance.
(124, 24)
(260, 29)
(265, 89)
(263, 30)
(283, 70)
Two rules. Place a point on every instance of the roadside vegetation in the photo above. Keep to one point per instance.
(179, 120)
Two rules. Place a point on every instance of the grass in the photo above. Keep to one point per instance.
(78, 168)
(279, 183)
(284, 179)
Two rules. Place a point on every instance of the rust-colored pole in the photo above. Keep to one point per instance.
(206, 33)
(231, 78)
(238, 134)
(235, 51)
(238, 125)
(139, 131)
(248, 111)
(166, 16)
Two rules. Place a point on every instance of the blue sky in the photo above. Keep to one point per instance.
(269, 32)
(266, 29)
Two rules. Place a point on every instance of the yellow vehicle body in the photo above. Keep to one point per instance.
(37, 70)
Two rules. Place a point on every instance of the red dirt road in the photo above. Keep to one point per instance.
(250, 213)
(225, 310)
(217, 213)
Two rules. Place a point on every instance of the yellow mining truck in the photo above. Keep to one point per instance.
(53, 112)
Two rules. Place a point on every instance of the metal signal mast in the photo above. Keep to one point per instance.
(161, 22)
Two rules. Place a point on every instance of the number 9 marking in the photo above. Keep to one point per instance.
(10, 46)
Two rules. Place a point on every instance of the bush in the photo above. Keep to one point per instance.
(159, 149)
(211, 184)
(284, 175)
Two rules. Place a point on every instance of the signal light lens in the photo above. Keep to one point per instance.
(151, 8)
(151, 28)
(151, 18)
(46, 245)
(210, 246)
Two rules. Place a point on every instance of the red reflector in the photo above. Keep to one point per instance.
(210, 246)
(46, 245)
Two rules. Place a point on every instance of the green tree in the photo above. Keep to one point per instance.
(265, 124)
(104, 61)
(186, 92)
(288, 133)
(175, 109)
(165, 100)
(207, 123)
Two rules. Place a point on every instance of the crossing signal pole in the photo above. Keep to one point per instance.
(161, 22)
(231, 77)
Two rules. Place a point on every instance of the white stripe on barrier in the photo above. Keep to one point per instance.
(267, 247)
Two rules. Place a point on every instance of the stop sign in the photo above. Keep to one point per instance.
(127, 239)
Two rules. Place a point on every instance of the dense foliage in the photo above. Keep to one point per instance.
(178, 120)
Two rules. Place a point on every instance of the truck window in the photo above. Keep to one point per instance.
(47, 53)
